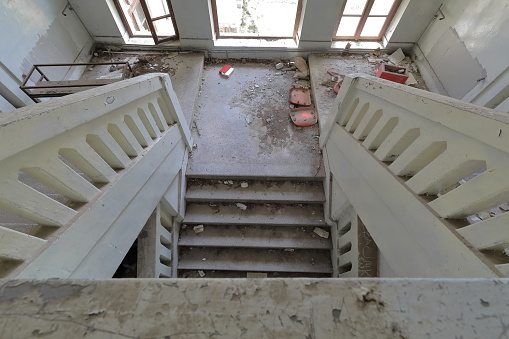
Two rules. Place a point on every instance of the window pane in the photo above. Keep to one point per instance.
(164, 27)
(381, 7)
(348, 26)
(354, 7)
(157, 8)
(373, 27)
(271, 18)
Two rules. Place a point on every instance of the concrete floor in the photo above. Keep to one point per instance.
(357, 63)
(242, 126)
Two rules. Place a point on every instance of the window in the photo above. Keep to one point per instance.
(365, 19)
(256, 18)
(148, 18)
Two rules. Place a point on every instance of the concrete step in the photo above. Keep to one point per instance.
(256, 192)
(196, 170)
(254, 237)
(255, 214)
(255, 260)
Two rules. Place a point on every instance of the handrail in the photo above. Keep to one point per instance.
(87, 168)
(438, 166)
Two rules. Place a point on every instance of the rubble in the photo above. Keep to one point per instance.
(397, 56)
(301, 64)
(198, 228)
(241, 206)
(201, 273)
(321, 232)
(244, 184)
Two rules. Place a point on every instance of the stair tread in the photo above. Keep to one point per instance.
(254, 237)
(255, 260)
(255, 214)
(267, 191)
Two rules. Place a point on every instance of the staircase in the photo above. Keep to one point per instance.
(252, 228)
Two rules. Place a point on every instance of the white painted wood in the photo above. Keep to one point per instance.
(170, 199)
(136, 126)
(504, 268)
(420, 154)
(101, 134)
(58, 176)
(380, 132)
(386, 207)
(148, 122)
(367, 124)
(28, 203)
(18, 246)
(88, 161)
(357, 117)
(487, 190)
(129, 201)
(104, 144)
(490, 233)
(125, 138)
(397, 142)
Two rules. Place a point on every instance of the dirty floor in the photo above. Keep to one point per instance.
(242, 126)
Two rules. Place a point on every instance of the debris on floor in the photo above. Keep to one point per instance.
(300, 96)
(244, 184)
(201, 273)
(393, 73)
(241, 206)
(226, 71)
(301, 64)
(198, 228)
(397, 56)
(321, 232)
(303, 116)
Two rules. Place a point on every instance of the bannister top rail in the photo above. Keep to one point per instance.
(458, 115)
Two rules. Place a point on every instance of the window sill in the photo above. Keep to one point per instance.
(255, 43)
(370, 45)
(150, 42)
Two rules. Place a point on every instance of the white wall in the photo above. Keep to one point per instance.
(34, 32)
(102, 20)
(472, 42)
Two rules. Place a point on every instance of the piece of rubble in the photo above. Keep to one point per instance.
(279, 65)
(397, 56)
(303, 68)
(198, 228)
(201, 273)
(504, 207)
(411, 81)
(484, 215)
(241, 206)
(321, 232)
(244, 184)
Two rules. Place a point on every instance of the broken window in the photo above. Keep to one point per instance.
(256, 18)
(365, 19)
(148, 19)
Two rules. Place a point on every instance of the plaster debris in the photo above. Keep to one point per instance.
(198, 228)
(228, 182)
(303, 68)
(321, 233)
(506, 251)
(484, 215)
(241, 206)
(280, 65)
(411, 81)
(244, 185)
(289, 250)
(201, 273)
(504, 207)
(397, 56)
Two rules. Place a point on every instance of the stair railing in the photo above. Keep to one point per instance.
(107, 157)
(426, 174)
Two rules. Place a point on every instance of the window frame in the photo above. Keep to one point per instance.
(298, 16)
(149, 21)
(363, 18)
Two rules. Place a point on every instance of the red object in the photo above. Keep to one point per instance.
(303, 116)
(337, 86)
(300, 96)
(225, 69)
(392, 73)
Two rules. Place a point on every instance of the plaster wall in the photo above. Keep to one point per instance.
(102, 20)
(33, 32)
(465, 54)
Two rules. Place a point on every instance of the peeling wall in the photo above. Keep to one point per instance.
(465, 54)
(37, 32)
